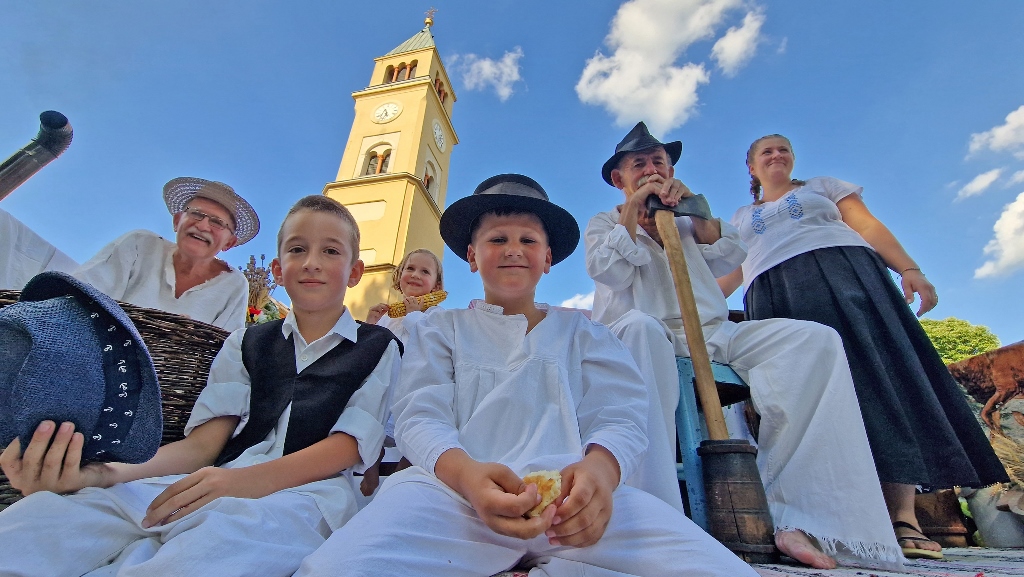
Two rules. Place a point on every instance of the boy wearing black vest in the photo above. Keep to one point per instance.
(291, 409)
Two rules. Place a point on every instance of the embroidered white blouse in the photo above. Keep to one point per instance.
(803, 220)
(137, 268)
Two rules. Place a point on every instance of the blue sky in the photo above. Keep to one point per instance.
(922, 103)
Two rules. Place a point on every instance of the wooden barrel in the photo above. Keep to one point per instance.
(737, 509)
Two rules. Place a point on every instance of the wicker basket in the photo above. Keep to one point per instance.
(182, 351)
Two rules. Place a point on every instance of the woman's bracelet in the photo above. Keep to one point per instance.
(902, 272)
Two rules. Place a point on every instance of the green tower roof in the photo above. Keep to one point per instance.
(422, 39)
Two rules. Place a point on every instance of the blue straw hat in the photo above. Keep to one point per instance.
(69, 353)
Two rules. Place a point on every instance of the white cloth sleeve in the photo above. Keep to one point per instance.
(110, 269)
(227, 390)
(612, 255)
(365, 414)
(614, 407)
(232, 317)
(727, 253)
(836, 190)
(425, 396)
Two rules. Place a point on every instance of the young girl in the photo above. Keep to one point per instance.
(417, 275)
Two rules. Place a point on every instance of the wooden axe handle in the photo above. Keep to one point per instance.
(706, 389)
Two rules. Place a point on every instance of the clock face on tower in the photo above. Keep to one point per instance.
(386, 112)
(439, 136)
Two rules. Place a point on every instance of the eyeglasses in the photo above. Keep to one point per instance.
(197, 215)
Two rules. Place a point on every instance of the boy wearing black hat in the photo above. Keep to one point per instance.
(505, 388)
(813, 455)
(292, 407)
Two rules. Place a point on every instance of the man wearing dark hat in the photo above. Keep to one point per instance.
(813, 455)
(185, 276)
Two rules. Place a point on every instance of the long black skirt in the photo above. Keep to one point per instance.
(919, 426)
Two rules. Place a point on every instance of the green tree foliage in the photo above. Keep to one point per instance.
(957, 339)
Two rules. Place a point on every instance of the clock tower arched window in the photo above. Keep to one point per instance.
(377, 161)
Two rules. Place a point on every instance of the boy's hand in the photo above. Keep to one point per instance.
(196, 490)
(376, 312)
(501, 499)
(586, 499)
(56, 467)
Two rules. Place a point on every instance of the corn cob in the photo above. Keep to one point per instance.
(428, 300)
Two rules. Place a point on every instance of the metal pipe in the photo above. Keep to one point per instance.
(53, 139)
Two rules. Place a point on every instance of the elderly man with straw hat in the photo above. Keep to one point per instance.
(185, 276)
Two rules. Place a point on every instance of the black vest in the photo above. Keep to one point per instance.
(318, 395)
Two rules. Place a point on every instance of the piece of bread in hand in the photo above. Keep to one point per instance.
(549, 487)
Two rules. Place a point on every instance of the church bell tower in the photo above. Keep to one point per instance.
(394, 171)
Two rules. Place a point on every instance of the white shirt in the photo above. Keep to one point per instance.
(227, 394)
(635, 275)
(474, 379)
(397, 326)
(138, 268)
(24, 254)
(804, 219)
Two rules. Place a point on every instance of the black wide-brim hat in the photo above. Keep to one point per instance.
(518, 193)
(639, 138)
(68, 352)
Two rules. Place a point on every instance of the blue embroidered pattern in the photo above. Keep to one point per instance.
(796, 210)
(757, 222)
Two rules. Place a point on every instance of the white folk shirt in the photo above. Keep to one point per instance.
(227, 394)
(397, 325)
(804, 219)
(474, 379)
(635, 275)
(137, 268)
(24, 254)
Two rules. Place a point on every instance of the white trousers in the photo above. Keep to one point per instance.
(98, 532)
(813, 453)
(415, 528)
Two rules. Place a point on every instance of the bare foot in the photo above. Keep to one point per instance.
(798, 545)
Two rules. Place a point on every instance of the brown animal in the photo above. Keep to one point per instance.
(993, 378)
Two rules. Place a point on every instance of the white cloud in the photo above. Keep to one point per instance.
(1007, 136)
(1017, 177)
(1006, 249)
(734, 49)
(640, 79)
(580, 301)
(782, 45)
(480, 73)
(979, 184)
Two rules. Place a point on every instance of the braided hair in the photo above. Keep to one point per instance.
(755, 183)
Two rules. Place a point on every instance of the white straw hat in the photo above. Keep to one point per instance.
(178, 192)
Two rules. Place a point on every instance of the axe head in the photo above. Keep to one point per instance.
(695, 205)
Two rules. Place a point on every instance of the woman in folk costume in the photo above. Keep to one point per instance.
(817, 253)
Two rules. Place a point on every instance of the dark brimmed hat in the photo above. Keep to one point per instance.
(178, 192)
(69, 353)
(638, 139)
(516, 192)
